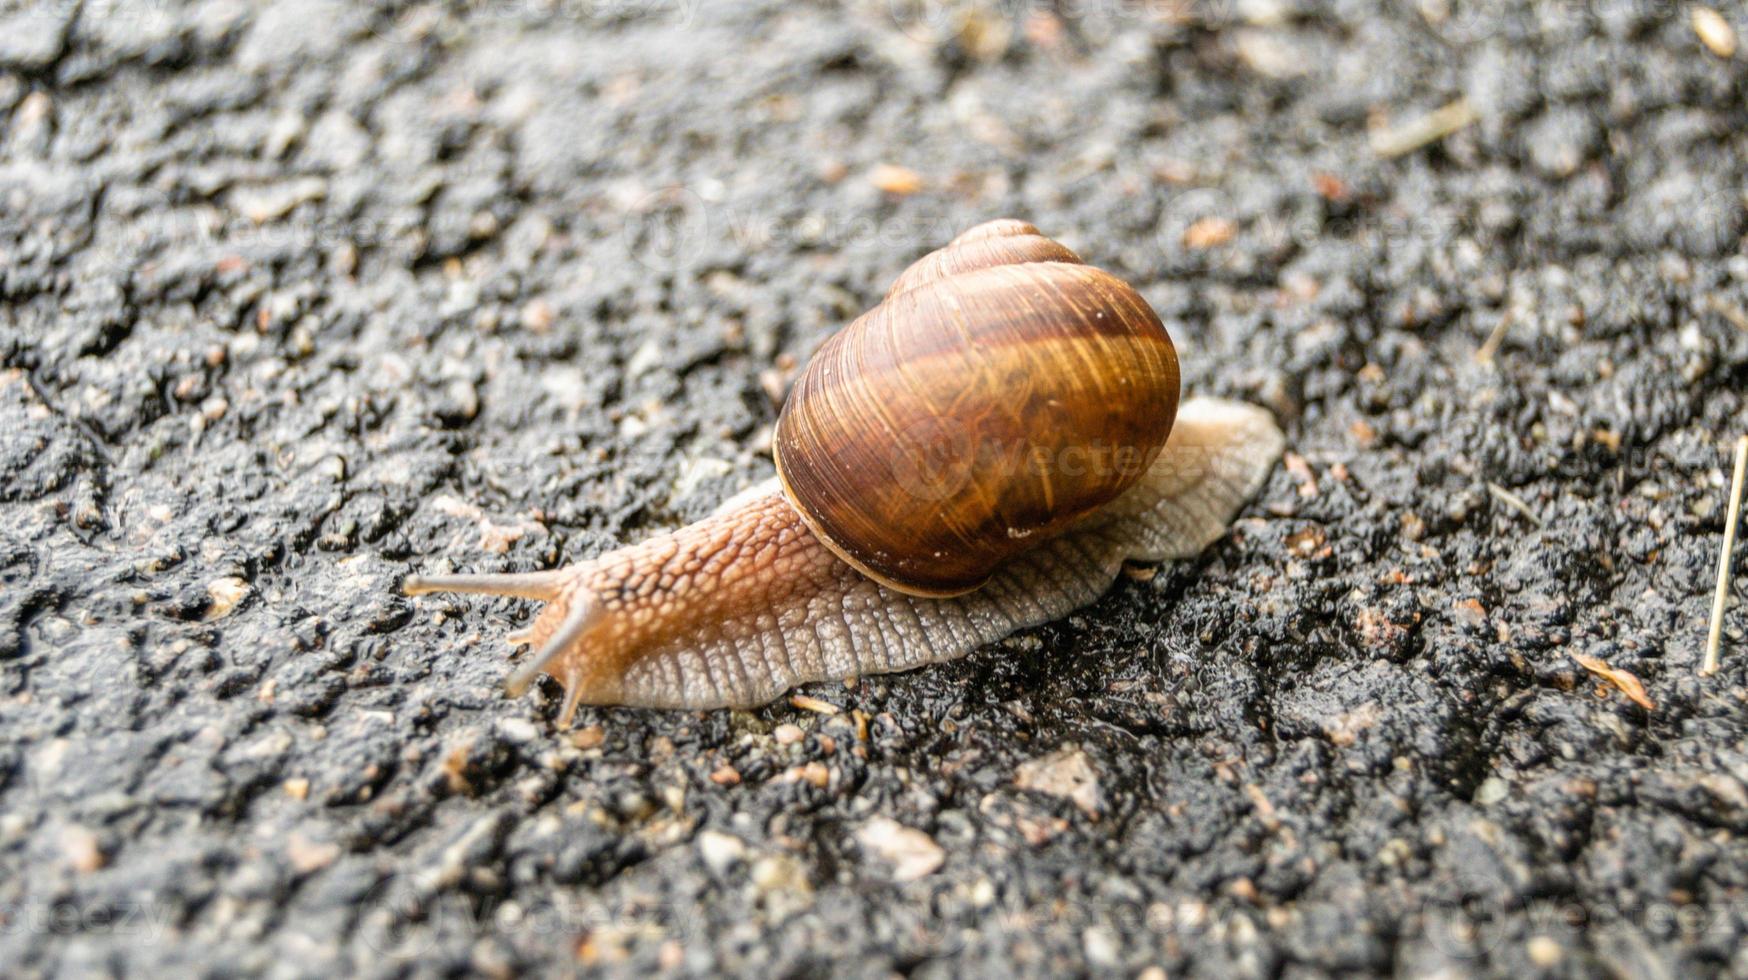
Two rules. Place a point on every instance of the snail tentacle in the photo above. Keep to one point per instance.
(583, 613)
(576, 612)
(522, 585)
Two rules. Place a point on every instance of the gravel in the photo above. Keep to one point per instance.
(296, 297)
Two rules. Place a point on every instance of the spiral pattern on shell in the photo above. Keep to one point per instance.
(1000, 391)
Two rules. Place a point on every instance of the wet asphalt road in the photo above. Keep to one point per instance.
(299, 296)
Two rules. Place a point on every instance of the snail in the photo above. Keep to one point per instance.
(980, 452)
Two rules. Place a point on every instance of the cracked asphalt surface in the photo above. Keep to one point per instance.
(297, 297)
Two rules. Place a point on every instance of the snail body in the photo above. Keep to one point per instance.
(979, 453)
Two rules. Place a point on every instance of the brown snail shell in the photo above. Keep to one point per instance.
(1002, 390)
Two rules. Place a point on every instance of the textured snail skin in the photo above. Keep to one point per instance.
(739, 607)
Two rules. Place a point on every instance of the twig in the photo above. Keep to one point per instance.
(1490, 346)
(1730, 311)
(1624, 681)
(1424, 130)
(1716, 638)
(813, 704)
(1513, 501)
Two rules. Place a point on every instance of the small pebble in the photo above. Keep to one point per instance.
(538, 316)
(1492, 790)
(225, 593)
(1209, 233)
(896, 180)
(82, 850)
(781, 880)
(911, 853)
(1100, 948)
(264, 204)
(307, 855)
(33, 112)
(1544, 951)
(1067, 773)
(720, 852)
(1714, 32)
